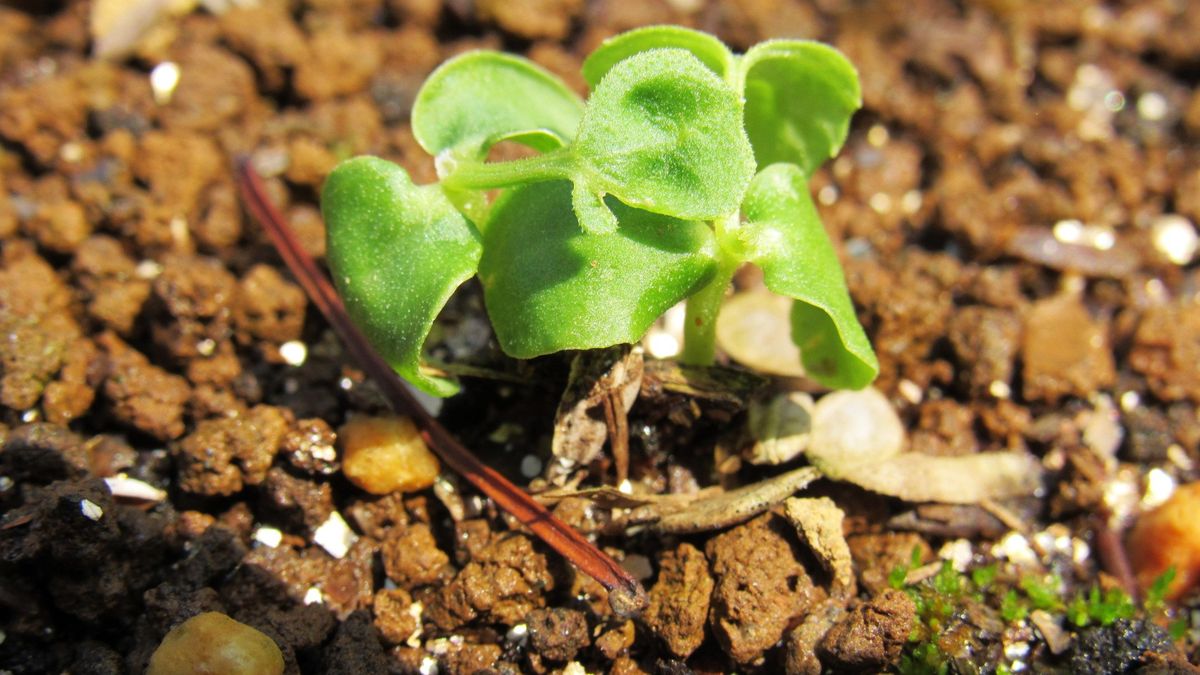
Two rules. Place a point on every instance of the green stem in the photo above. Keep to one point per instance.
(700, 320)
(552, 165)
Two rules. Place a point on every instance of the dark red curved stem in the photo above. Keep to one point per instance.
(626, 595)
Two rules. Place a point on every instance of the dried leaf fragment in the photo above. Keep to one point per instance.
(819, 521)
(603, 385)
(754, 328)
(858, 437)
(780, 427)
(735, 506)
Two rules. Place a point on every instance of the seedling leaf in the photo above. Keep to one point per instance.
(664, 133)
(799, 99)
(479, 98)
(550, 286)
(712, 52)
(785, 238)
(397, 252)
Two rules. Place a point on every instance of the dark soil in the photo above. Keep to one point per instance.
(1000, 207)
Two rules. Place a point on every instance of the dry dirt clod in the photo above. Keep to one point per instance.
(268, 307)
(871, 635)
(394, 618)
(1166, 349)
(504, 582)
(760, 586)
(558, 633)
(411, 557)
(224, 454)
(140, 394)
(679, 600)
(1066, 352)
(531, 19)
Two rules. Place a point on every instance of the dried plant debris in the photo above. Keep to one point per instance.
(819, 522)
(780, 427)
(601, 389)
(733, 387)
(735, 506)
(858, 437)
(709, 509)
(755, 330)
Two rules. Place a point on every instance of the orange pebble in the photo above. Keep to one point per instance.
(386, 454)
(1169, 536)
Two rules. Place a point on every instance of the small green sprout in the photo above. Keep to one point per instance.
(1157, 593)
(685, 162)
(983, 577)
(1012, 607)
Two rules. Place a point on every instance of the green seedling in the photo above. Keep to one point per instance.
(685, 162)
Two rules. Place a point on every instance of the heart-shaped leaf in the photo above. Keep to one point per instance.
(711, 51)
(397, 251)
(664, 133)
(479, 98)
(785, 238)
(799, 99)
(550, 286)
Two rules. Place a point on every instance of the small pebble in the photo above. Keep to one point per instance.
(1169, 536)
(1175, 238)
(268, 536)
(214, 643)
(335, 536)
(386, 454)
(163, 80)
(91, 510)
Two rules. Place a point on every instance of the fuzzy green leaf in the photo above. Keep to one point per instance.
(397, 251)
(799, 99)
(711, 51)
(479, 98)
(550, 286)
(785, 238)
(664, 133)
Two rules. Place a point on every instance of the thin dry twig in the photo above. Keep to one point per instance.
(626, 595)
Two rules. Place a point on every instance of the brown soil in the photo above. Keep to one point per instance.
(142, 315)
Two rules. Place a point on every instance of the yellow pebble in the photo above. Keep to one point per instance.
(386, 454)
(212, 643)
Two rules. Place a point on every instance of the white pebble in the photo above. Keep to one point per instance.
(313, 596)
(1175, 238)
(1159, 486)
(1152, 106)
(271, 537)
(163, 80)
(335, 536)
(294, 352)
(91, 510)
(124, 487)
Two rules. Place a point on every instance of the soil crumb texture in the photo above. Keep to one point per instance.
(183, 459)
